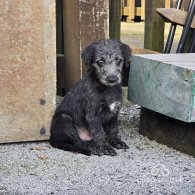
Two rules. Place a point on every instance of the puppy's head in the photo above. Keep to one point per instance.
(107, 58)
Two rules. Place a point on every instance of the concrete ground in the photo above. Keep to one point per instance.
(146, 168)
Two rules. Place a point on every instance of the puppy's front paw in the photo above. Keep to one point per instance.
(108, 150)
(103, 150)
(95, 149)
(119, 144)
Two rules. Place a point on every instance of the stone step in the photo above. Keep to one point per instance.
(164, 83)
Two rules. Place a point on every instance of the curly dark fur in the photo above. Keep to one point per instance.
(86, 120)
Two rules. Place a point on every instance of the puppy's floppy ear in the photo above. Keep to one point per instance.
(88, 55)
(126, 52)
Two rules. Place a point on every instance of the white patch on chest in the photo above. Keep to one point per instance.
(114, 106)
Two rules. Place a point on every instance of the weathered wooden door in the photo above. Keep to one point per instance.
(27, 69)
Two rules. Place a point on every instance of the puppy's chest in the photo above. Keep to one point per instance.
(113, 103)
(110, 108)
(114, 106)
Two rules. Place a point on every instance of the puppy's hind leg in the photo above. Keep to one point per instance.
(64, 135)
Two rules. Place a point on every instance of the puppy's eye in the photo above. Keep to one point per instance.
(118, 61)
(100, 62)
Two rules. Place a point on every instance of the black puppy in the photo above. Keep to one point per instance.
(86, 120)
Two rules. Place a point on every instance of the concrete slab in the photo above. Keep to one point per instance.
(164, 83)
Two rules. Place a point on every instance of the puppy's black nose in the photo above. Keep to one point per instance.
(112, 78)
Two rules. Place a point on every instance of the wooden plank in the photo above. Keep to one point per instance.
(175, 16)
(185, 5)
(71, 24)
(143, 9)
(131, 5)
(27, 69)
(167, 3)
(138, 11)
(164, 83)
(138, 50)
(154, 26)
(84, 22)
(95, 18)
(125, 11)
(114, 19)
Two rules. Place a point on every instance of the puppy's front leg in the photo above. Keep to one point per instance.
(97, 131)
(111, 129)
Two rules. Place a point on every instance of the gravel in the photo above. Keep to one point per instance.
(146, 168)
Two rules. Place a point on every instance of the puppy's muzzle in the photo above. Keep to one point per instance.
(112, 79)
